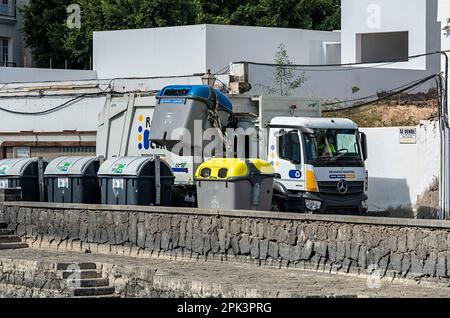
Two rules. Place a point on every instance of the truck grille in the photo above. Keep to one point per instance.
(330, 187)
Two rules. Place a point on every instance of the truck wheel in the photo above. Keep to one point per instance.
(277, 206)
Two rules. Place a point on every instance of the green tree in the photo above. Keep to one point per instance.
(286, 78)
(45, 30)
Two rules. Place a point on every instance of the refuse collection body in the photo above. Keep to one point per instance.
(235, 184)
(183, 111)
(136, 181)
(21, 173)
(73, 180)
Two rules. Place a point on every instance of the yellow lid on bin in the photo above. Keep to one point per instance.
(224, 169)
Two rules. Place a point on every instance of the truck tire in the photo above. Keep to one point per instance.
(277, 204)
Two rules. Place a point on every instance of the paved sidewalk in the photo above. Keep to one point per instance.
(270, 282)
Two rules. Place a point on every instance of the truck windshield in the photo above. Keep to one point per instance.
(332, 144)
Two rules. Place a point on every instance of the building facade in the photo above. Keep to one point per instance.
(12, 49)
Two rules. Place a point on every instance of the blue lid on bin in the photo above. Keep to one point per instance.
(202, 91)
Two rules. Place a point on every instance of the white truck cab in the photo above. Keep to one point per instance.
(320, 163)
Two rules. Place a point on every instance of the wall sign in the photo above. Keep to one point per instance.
(408, 135)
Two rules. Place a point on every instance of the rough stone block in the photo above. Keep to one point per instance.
(234, 245)
(340, 251)
(295, 253)
(244, 244)
(332, 250)
(307, 250)
(263, 249)
(416, 265)
(165, 240)
(441, 266)
(430, 264)
(321, 248)
(273, 250)
(395, 263)
(284, 251)
(235, 227)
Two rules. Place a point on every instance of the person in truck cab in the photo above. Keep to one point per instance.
(326, 147)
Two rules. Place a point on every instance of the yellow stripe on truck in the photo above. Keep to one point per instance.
(311, 182)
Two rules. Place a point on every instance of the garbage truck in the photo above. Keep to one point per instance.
(319, 162)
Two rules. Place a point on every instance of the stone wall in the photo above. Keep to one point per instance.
(28, 279)
(400, 248)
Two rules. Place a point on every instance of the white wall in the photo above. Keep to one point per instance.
(398, 173)
(27, 75)
(150, 52)
(225, 44)
(194, 49)
(418, 17)
(80, 115)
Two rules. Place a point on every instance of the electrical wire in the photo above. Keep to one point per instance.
(408, 88)
(376, 95)
(223, 71)
(378, 64)
(51, 110)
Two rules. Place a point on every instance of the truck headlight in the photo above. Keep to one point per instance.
(313, 205)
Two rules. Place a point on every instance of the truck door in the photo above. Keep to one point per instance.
(285, 154)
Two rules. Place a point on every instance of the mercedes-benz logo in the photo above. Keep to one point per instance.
(342, 187)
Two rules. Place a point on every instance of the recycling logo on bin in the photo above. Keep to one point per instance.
(295, 174)
(118, 168)
(3, 169)
(64, 167)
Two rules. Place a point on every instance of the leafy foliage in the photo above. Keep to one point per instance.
(286, 79)
(47, 34)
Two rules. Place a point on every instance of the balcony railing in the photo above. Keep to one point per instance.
(8, 10)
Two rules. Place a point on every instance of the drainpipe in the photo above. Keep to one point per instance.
(444, 185)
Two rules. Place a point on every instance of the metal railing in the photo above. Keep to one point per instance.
(9, 9)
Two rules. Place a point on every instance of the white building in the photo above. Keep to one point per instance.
(194, 49)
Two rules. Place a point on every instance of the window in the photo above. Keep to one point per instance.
(4, 51)
(77, 150)
(289, 147)
(382, 47)
(347, 142)
(22, 152)
(7, 8)
(326, 144)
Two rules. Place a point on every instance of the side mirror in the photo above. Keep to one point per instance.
(364, 146)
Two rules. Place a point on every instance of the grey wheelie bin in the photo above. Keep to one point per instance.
(180, 108)
(21, 173)
(136, 181)
(235, 184)
(73, 180)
